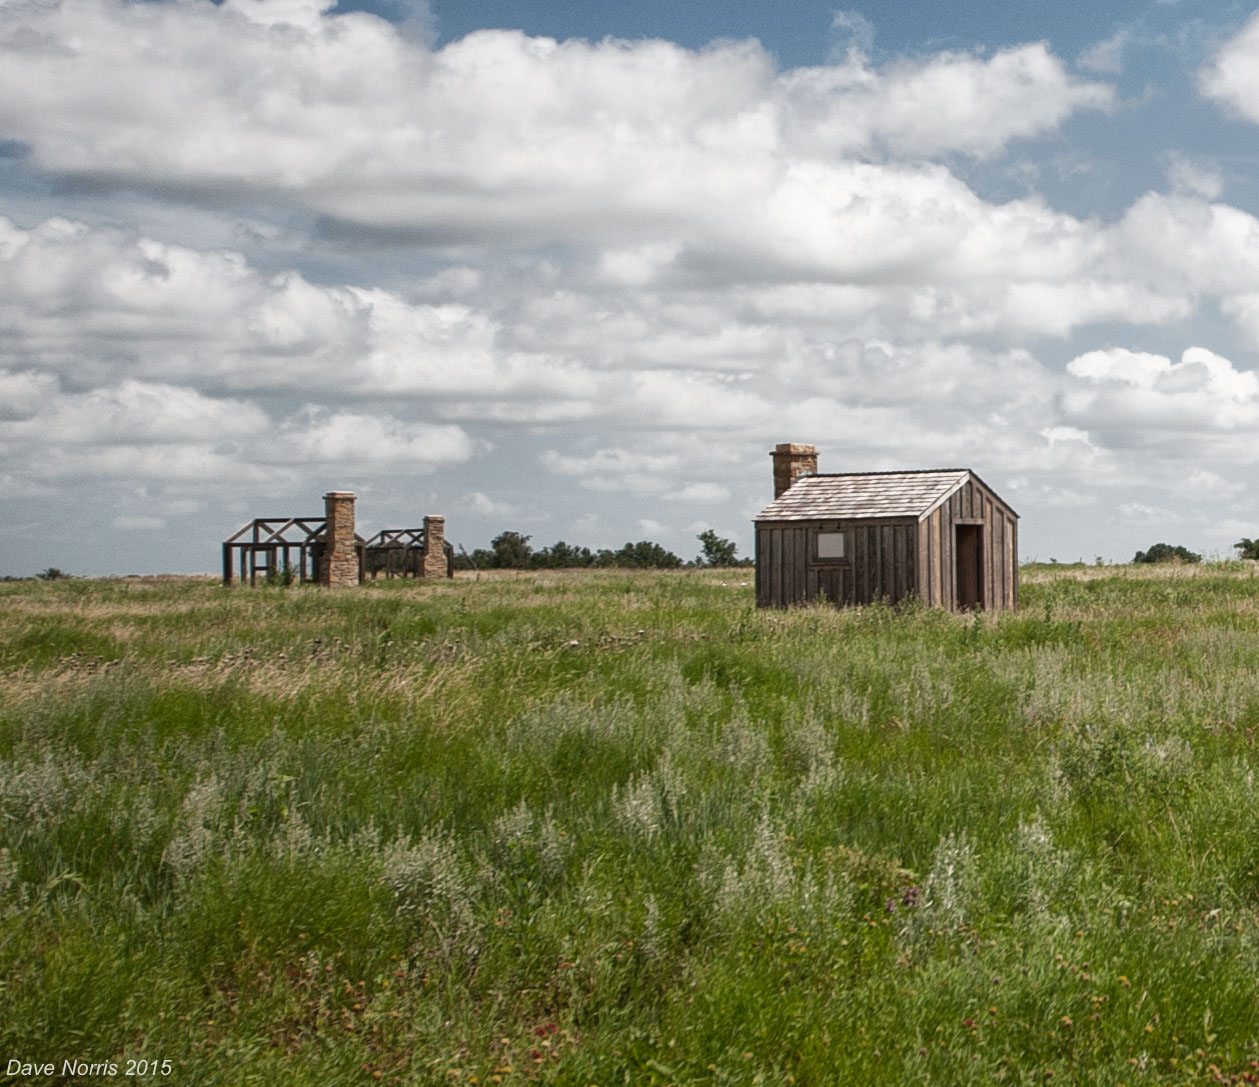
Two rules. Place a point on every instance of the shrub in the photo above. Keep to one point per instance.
(1161, 552)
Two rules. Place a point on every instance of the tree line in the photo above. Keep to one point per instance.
(513, 551)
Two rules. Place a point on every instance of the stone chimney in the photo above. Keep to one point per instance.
(434, 546)
(338, 565)
(790, 462)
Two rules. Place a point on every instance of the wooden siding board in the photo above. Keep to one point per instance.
(887, 566)
(876, 563)
(933, 548)
(800, 562)
(1007, 575)
(998, 562)
(757, 554)
(1000, 552)
(898, 563)
(924, 561)
(861, 568)
(787, 566)
(773, 583)
(913, 574)
(1012, 560)
(812, 577)
(988, 594)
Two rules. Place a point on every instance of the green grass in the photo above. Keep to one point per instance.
(603, 828)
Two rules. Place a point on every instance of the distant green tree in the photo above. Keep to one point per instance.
(52, 574)
(717, 552)
(480, 558)
(511, 550)
(561, 555)
(1161, 552)
(1249, 548)
(641, 555)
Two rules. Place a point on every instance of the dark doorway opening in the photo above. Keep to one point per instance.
(970, 566)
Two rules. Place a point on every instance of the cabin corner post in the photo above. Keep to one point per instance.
(339, 564)
(434, 560)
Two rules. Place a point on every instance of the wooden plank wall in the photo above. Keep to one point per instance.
(937, 535)
(882, 563)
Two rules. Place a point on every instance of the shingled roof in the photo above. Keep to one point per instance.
(854, 496)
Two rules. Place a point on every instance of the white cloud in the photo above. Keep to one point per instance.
(209, 317)
(1232, 76)
(136, 411)
(853, 33)
(1200, 405)
(482, 505)
(700, 492)
(386, 443)
(949, 102)
(1106, 56)
(494, 135)
(614, 470)
(22, 394)
(1194, 179)
(1144, 514)
(138, 524)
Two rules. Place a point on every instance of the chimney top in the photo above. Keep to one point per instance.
(792, 460)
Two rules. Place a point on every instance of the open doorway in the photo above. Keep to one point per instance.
(968, 556)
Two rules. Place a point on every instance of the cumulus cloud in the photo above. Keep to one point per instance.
(495, 135)
(384, 442)
(700, 492)
(949, 102)
(1201, 404)
(1232, 75)
(614, 469)
(209, 317)
(1194, 179)
(852, 33)
(1107, 56)
(139, 523)
(139, 412)
(482, 505)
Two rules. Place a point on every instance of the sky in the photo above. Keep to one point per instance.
(572, 268)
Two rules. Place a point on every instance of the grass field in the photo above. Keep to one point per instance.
(606, 828)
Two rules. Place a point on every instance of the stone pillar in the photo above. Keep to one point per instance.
(339, 563)
(434, 546)
(790, 462)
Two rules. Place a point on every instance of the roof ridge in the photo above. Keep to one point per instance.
(885, 472)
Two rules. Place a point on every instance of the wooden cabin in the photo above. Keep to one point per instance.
(854, 538)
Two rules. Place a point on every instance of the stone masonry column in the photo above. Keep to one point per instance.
(434, 546)
(791, 461)
(339, 563)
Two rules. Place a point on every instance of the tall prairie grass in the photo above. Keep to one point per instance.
(598, 827)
